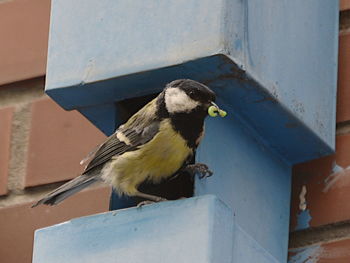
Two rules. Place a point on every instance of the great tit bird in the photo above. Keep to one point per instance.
(157, 142)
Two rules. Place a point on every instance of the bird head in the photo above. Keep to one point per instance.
(185, 96)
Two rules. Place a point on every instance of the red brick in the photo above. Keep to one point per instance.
(328, 187)
(58, 141)
(343, 109)
(334, 252)
(24, 27)
(18, 223)
(343, 150)
(5, 138)
(344, 5)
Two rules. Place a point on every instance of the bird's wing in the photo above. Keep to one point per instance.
(138, 130)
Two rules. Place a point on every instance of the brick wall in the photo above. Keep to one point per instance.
(41, 145)
(320, 213)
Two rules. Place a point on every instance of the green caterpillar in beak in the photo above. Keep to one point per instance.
(214, 110)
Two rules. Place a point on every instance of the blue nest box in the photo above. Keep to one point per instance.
(272, 64)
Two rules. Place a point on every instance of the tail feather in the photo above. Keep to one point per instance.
(68, 189)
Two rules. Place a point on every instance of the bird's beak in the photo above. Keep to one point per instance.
(214, 109)
(216, 106)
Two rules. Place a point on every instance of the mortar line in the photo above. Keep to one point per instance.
(320, 235)
(343, 128)
(20, 130)
(344, 20)
(21, 92)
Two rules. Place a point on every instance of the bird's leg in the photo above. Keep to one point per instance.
(198, 168)
(151, 199)
(146, 202)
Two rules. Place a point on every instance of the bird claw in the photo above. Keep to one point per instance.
(199, 168)
(149, 202)
(143, 203)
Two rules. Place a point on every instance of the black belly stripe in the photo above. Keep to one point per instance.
(189, 125)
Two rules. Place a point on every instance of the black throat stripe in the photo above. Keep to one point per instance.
(189, 125)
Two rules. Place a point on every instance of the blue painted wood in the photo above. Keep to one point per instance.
(293, 56)
(193, 230)
(260, 111)
(251, 179)
(291, 49)
(104, 116)
(248, 250)
(274, 72)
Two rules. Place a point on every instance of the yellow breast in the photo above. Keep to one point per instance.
(159, 158)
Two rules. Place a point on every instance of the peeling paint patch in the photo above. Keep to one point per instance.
(88, 71)
(338, 172)
(306, 255)
(302, 199)
(303, 220)
(337, 168)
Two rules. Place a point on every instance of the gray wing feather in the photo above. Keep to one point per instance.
(109, 149)
(139, 129)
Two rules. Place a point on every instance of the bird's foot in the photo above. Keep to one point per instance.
(149, 202)
(199, 168)
(143, 203)
(151, 199)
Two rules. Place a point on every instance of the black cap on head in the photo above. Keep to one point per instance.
(195, 90)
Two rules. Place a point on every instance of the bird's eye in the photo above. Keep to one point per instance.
(194, 94)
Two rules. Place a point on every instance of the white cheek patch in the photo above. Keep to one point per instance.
(176, 100)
